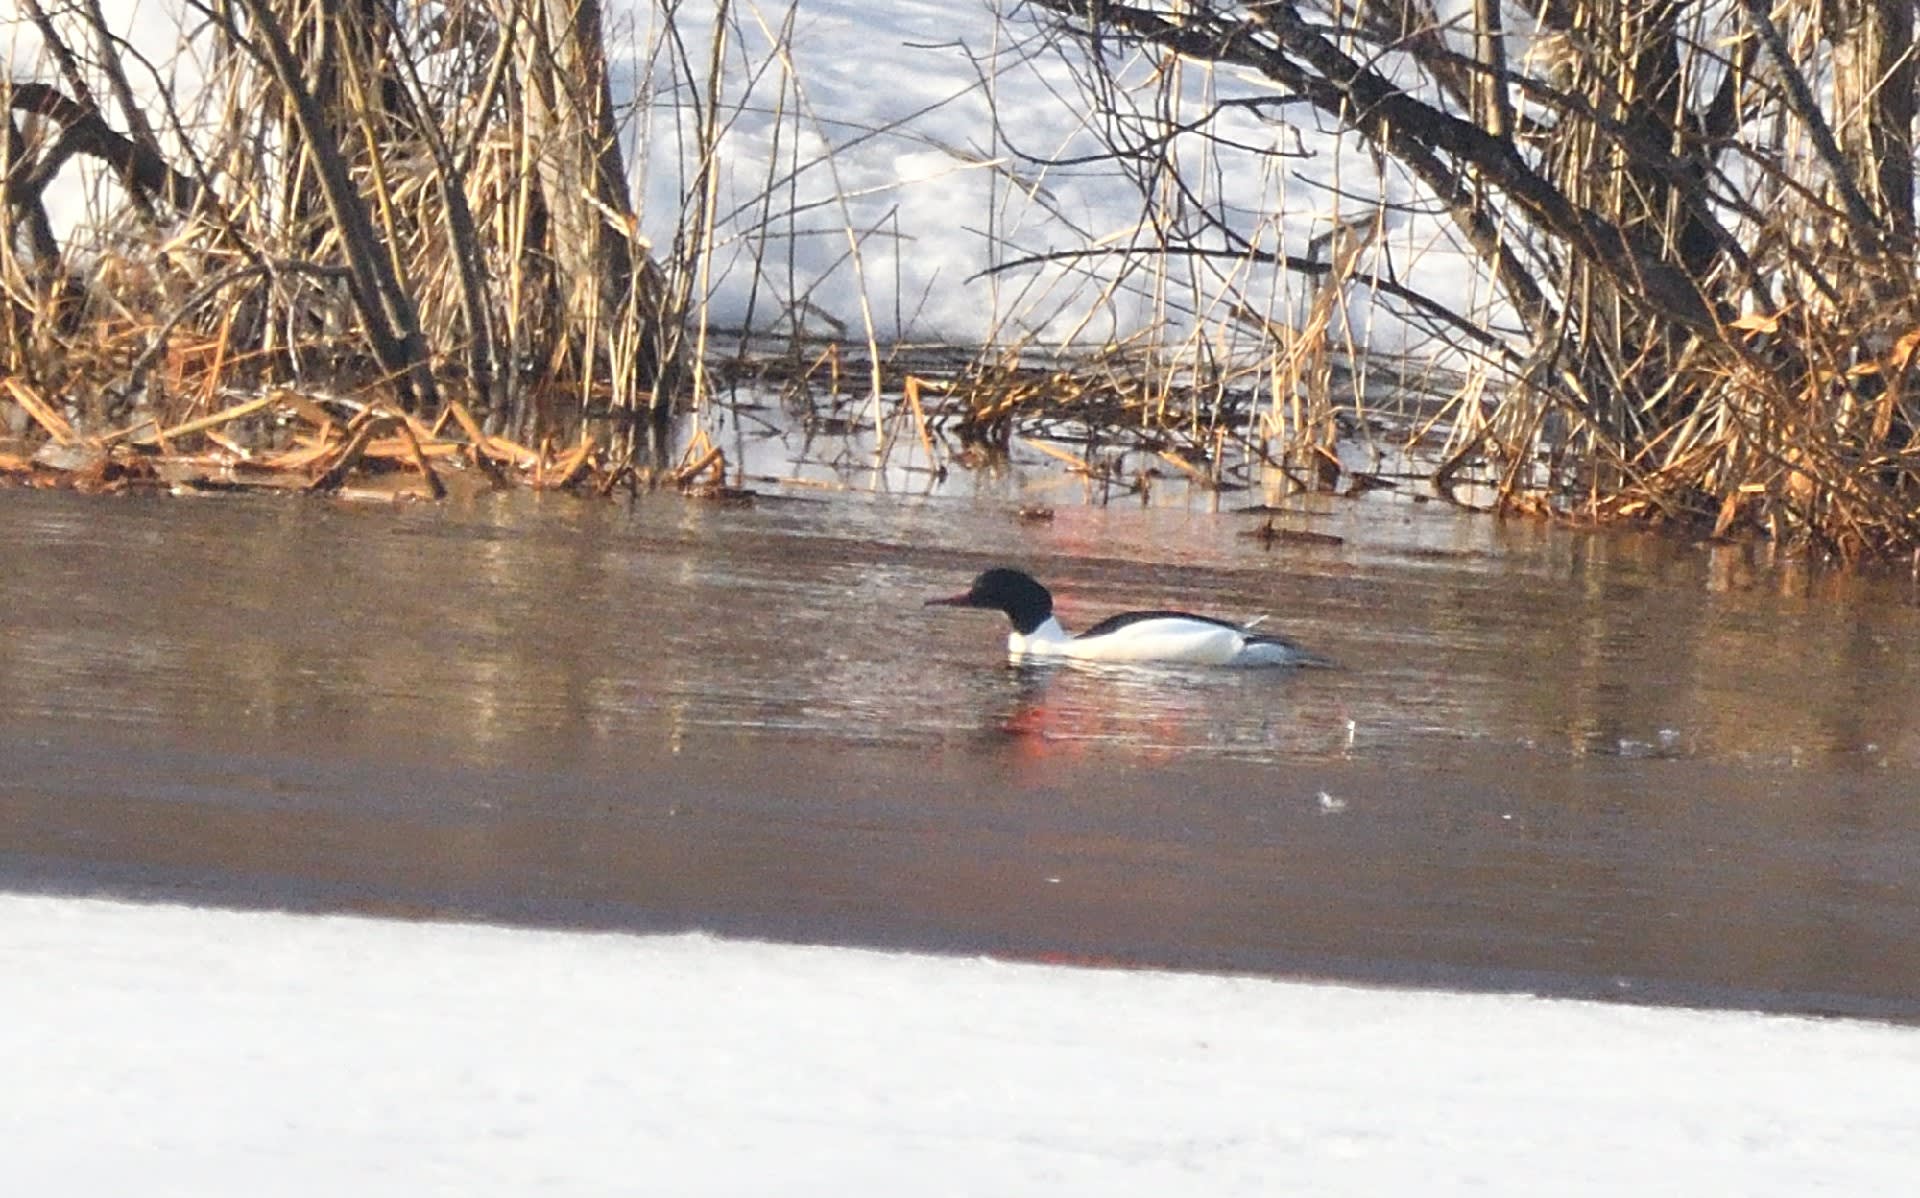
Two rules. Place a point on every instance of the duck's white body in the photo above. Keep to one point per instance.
(1176, 640)
(1171, 637)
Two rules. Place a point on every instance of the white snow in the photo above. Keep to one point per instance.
(965, 136)
(876, 120)
(154, 1050)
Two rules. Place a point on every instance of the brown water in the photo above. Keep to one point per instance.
(1599, 765)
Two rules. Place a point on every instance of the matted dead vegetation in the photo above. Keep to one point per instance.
(286, 441)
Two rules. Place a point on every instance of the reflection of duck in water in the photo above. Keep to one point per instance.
(1172, 637)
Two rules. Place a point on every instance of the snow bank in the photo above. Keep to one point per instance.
(160, 1051)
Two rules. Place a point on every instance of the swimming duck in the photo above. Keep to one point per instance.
(1172, 637)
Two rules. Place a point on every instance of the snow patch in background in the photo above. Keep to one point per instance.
(938, 182)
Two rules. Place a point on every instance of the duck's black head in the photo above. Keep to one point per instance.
(1026, 602)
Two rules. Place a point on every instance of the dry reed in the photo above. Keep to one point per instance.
(385, 240)
(1690, 231)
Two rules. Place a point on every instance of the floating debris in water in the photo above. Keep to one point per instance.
(1360, 482)
(1268, 535)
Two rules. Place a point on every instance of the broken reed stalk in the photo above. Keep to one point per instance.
(707, 189)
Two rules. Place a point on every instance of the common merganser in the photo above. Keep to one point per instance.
(1173, 637)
